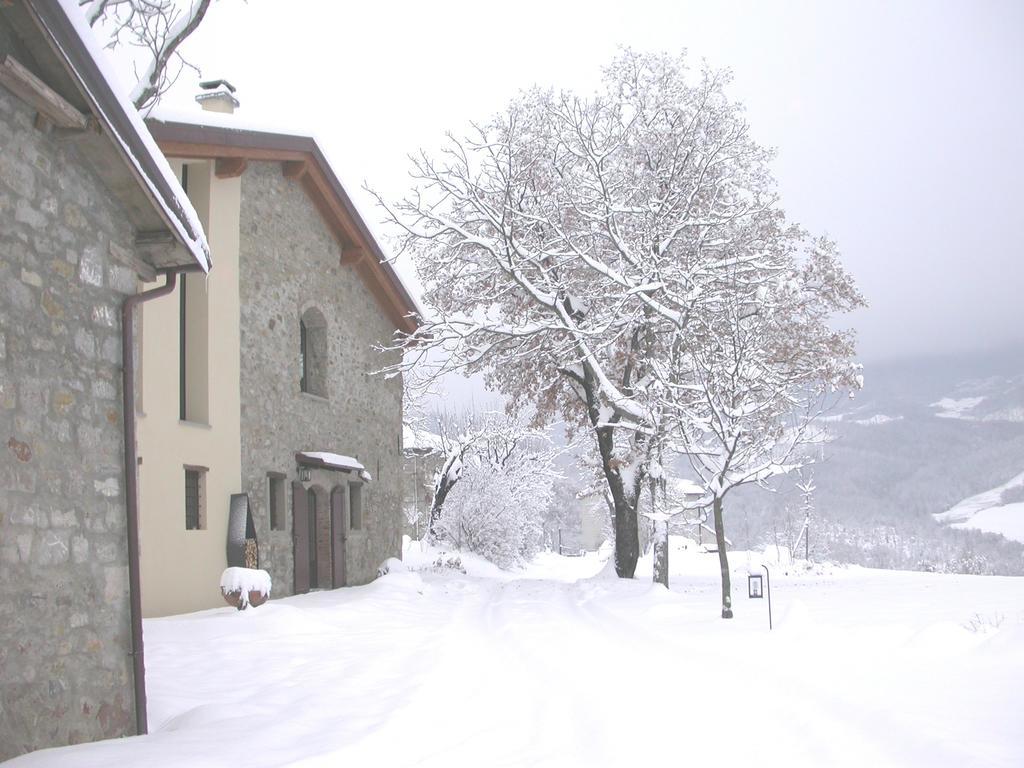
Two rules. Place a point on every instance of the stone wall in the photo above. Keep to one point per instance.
(65, 669)
(289, 262)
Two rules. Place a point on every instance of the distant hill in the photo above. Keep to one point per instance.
(925, 435)
(999, 510)
(922, 437)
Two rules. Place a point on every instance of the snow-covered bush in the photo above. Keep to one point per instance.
(497, 509)
(493, 487)
(449, 562)
(983, 624)
(391, 565)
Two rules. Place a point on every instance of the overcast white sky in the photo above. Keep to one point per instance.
(898, 124)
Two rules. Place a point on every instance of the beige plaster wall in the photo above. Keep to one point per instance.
(180, 568)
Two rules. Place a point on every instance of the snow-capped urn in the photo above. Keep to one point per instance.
(242, 587)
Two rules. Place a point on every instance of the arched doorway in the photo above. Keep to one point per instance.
(312, 538)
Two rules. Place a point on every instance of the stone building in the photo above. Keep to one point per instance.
(88, 209)
(257, 388)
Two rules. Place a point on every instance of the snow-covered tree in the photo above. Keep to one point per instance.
(565, 244)
(454, 448)
(805, 484)
(503, 492)
(154, 31)
(758, 368)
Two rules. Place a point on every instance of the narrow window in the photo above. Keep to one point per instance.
(276, 500)
(195, 498)
(193, 316)
(313, 352)
(355, 506)
(304, 375)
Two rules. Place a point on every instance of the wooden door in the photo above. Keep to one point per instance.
(314, 550)
(301, 544)
(338, 512)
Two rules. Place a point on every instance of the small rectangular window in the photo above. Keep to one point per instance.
(276, 500)
(195, 498)
(355, 506)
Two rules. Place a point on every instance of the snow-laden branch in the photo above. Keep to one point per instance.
(156, 28)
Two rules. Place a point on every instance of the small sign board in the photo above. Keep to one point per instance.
(755, 586)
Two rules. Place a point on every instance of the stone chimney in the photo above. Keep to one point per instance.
(217, 96)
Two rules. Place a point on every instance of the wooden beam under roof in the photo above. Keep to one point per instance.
(230, 167)
(30, 89)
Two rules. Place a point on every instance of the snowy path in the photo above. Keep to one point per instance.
(865, 668)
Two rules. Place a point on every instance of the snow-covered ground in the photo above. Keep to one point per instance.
(956, 408)
(987, 511)
(878, 418)
(564, 665)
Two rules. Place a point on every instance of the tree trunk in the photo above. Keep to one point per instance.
(440, 494)
(627, 539)
(661, 552)
(435, 515)
(723, 560)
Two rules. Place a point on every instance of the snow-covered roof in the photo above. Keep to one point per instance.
(334, 461)
(681, 486)
(65, 27)
(420, 440)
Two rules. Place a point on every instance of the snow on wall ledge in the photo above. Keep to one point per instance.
(337, 461)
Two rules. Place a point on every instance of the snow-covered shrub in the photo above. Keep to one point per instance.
(979, 623)
(497, 511)
(391, 565)
(493, 488)
(970, 563)
(449, 562)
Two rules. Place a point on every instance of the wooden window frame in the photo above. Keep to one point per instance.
(196, 521)
(355, 507)
(277, 501)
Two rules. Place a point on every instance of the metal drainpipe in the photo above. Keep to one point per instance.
(131, 468)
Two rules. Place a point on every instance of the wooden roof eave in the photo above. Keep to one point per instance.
(74, 97)
(302, 162)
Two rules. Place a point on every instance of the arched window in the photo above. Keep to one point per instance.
(313, 352)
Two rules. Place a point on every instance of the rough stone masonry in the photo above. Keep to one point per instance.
(289, 263)
(65, 669)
